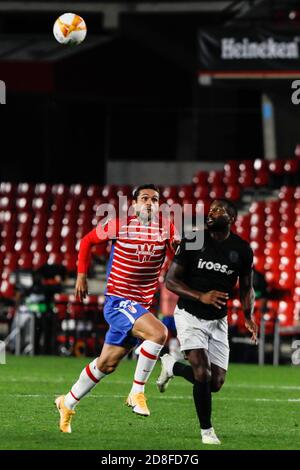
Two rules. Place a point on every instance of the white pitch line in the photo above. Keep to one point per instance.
(166, 397)
(128, 382)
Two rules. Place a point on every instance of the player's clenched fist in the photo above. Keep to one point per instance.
(81, 288)
(214, 297)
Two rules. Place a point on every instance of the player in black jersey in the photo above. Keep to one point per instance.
(204, 279)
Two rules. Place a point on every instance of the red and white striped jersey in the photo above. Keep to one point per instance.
(137, 255)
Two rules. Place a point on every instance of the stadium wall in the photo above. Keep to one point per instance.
(163, 172)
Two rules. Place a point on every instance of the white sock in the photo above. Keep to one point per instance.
(88, 379)
(147, 359)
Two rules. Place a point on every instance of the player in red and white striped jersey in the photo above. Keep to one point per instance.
(139, 248)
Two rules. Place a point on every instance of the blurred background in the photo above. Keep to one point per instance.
(195, 96)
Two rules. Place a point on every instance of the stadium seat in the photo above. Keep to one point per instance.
(286, 313)
(94, 191)
(233, 193)
(287, 280)
(124, 190)
(286, 193)
(55, 258)
(22, 245)
(70, 262)
(185, 191)
(8, 190)
(25, 261)
(217, 192)
(7, 203)
(42, 190)
(109, 191)
(24, 204)
(61, 306)
(200, 178)
(170, 192)
(25, 190)
(215, 178)
(201, 192)
(11, 261)
(77, 191)
(39, 259)
(38, 245)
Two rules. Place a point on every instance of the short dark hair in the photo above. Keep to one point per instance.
(137, 190)
(232, 209)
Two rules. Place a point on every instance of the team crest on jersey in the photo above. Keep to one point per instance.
(132, 308)
(145, 252)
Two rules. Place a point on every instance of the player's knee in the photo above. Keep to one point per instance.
(217, 384)
(159, 336)
(202, 374)
(107, 367)
(162, 335)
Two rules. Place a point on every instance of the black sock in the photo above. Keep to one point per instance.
(202, 400)
(182, 370)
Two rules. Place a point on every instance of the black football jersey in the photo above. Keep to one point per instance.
(216, 266)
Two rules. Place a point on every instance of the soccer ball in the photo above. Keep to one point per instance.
(69, 28)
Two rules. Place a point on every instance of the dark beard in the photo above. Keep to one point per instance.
(220, 225)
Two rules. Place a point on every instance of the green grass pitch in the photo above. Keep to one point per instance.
(258, 408)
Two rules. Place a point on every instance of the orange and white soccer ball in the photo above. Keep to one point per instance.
(69, 28)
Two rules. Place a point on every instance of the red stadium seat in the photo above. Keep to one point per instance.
(276, 167)
(86, 206)
(286, 193)
(286, 313)
(25, 190)
(8, 190)
(72, 205)
(185, 191)
(258, 207)
(287, 280)
(262, 178)
(53, 230)
(287, 249)
(70, 262)
(77, 191)
(53, 246)
(40, 204)
(94, 191)
(272, 207)
(170, 192)
(217, 192)
(7, 203)
(201, 178)
(42, 190)
(109, 191)
(233, 193)
(55, 258)
(201, 192)
(38, 245)
(291, 166)
(272, 249)
(7, 290)
(25, 261)
(11, 261)
(61, 305)
(39, 259)
(68, 246)
(215, 178)
(124, 190)
(24, 204)
(273, 221)
(22, 245)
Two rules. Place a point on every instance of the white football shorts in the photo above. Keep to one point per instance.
(197, 333)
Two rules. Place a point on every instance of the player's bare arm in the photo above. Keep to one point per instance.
(247, 297)
(174, 283)
(81, 287)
